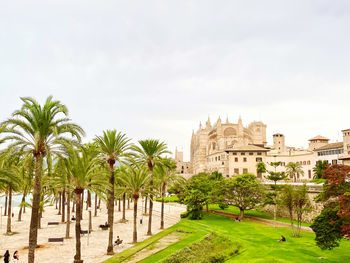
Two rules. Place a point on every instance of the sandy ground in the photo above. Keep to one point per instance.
(93, 252)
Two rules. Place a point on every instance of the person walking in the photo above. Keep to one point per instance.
(15, 257)
(7, 257)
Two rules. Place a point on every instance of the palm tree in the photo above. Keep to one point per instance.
(135, 182)
(39, 129)
(149, 153)
(112, 148)
(260, 169)
(294, 170)
(319, 168)
(165, 174)
(81, 167)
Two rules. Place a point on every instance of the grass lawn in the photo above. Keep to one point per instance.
(259, 242)
(254, 213)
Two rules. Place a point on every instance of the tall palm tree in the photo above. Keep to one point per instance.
(39, 129)
(81, 167)
(135, 182)
(294, 170)
(165, 174)
(319, 168)
(112, 148)
(149, 153)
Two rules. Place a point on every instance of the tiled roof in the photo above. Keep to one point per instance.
(319, 137)
(330, 146)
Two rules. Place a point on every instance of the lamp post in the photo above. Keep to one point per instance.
(89, 209)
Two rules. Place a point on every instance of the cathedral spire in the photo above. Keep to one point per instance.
(208, 124)
(226, 119)
(200, 125)
(219, 121)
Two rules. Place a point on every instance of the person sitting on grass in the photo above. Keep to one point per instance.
(237, 219)
(283, 239)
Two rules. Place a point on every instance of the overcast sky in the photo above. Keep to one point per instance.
(155, 69)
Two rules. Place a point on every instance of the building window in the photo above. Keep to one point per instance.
(223, 163)
(236, 171)
(236, 159)
(251, 153)
(245, 159)
(308, 162)
(234, 153)
(245, 170)
(258, 153)
(309, 173)
(219, 158)
(242, 153)
(216, 158)
(304, 162)
(334, 162)
(258, 159)
(227, 175)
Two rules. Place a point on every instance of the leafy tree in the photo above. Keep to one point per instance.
(136, 182)
(149, 153)
(302, 205)
(165, 175)
(112, 147)
(319, 168)
(260, 169)
(38, 129)
(327, 227)
(244, 191)
(334, 219)
(297, 202)
(294, 170)
(272, 197)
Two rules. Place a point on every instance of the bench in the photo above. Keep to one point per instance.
(53, 223)
(83, 232)
(104, 227)
(118, 242)
(56, 239)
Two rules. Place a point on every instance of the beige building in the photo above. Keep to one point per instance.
(232, 148)
(213, 147)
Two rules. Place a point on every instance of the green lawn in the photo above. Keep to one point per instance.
(259, 242)
(253, 213)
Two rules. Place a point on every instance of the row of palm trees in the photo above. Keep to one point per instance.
(44, 155)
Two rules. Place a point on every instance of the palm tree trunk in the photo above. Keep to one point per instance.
(63, 204)
(33, 229)
(56, 201)
(88, 201)
(21, 208)
(82, 205)
(59, 203)
(8, 231)
(128, 203)
(111, 209)
(95, 204)
(149, 231)
(77, 257)
(124, 219)
(68, 212)
(134, 236)
(6, 194)
(162, 214)
(73, 208)
(146, 199)
(119, 207)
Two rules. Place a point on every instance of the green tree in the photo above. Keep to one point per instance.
(302, 205)
(294, 170)
(149, 153)
(81, 166)
(164, 173)
(245, 192)
(275, 177)
(37, 130)
(113, 147)
(136, 182)
(327, 227)
(320, 166)
(260, 169)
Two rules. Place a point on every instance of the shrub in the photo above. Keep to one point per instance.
(184, 214)
(223, 205)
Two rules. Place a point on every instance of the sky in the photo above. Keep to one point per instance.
(155, 69)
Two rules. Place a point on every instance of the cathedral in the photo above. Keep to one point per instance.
(211, 144)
